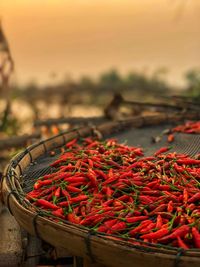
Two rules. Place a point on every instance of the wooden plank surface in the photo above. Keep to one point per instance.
(10, 239)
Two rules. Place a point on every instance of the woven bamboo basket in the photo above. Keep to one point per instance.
(77, 240)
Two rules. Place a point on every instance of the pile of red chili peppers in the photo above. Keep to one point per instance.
(114, 189)
(189, 127)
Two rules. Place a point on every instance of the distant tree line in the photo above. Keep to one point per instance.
(90, 90)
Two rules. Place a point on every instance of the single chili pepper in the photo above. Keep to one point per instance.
(159, 221)
(194, 198)
(161, 150)
(75, 179)
(170, 138)
(50, 196)
(181, 243)
(73, 189)
(58, 213)
(170, 206)
(73, 218)
(78, 199)
(139, 227)
(145, 199)
(40, 183)
(126, 174)
(163, 187)
(77, 184)
(93, 144)
(83, 211)
(148, 228)
(110, 223)
(171, 196)
(109, 192)
(46, 204)
(123, 198)
(56, 195)
(138, 151)
(101, 173)
(64, 203)
(47, 191)
(156, 235)
(47, 176)
(119, 226)
(91, 218)
(196, 237)
(92, 176)
(135, 219)
(102, 229)
(33, 194)
(66, 194)
(179, 168)
(153, 184)
(188, 161)
(113, 163)
(185, 196)
(57, 192)
(71, 143)
(110, 180)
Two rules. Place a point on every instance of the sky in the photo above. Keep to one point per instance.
(54, 39)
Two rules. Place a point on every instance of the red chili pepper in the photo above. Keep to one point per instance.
(40, 183)
(188, 161)
(145, 199)
(159, 221)
(78, 199)
(182, 244)
(170, 206)
(135, 219)
(33, 194)
(148, 228)
(161, 150)
(92, 176)
(57, 192)
(66, 194)
(110, 223)
(47, 191)
(101, 174)
(119, 226)
(73, 218)
(156, 235)
(110, 180)
(170, 138)
(46, 204)
(102, 229)
(194, 198)
(73, 189)
(71, 143)
(91, 218)
(185, 196)
(138, 228)
(138, 151)
(123, 198)
(196, 237)
(58, 213)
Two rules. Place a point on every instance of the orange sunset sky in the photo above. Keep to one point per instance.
(87, 37)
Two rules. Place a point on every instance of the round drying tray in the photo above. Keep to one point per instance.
(22, 171)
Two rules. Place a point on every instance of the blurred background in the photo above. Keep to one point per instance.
(67, 58)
